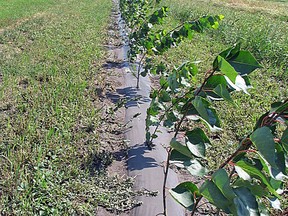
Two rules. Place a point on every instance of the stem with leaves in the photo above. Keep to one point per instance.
(210, 73)
(264, 165)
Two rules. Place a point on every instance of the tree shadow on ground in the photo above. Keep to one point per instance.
(137, 159)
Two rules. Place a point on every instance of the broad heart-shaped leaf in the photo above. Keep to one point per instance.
(245, 202)
(279, 107)
(184, 194)
(201, 106)
(212, 193)
(181, 148)
(177, 158)
(172, 81)
(196, 142)
(284, 140)
(207, 113)
(263, 139)
(256, 173)
(221, 180)
(195, 168)
(244, 62)
(230, 52)
(187, 69)
(242, 174)
(212, 127)
(240, 84)
(192, 165)
(224, 66)
(170, 119)
(215, 80)
(213, 118)
(278, 172)
(222, 91)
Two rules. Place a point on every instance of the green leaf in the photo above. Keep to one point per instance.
(247, 81)
(240, 84)
(276, 184)
(212, 193)
(275, 172)
(220, 17)
(163, 83)
(215, 80)
(144, 73)
(195, 168)
(221, 64)
(280, 158)
(152, 121)
(184, 194)
(244, 62)
(255, 173)
(154, 136)
(181, 148)
(191, 165)
(242, 174)
(196, 141)
(279, 107)
(245, 202)
(213, 117)
(275, 203)
(201, 106)
(284, 140)
(188, 69)
(255, 189)
(263, 139)
(170, 119)
(172, 81)
(190, 34)
(148, 136)
(221, 180)
(154, 108)
(148, 45)
(164, 96)
(153, 94)
(262, 208)
(177, 157)
(213, 124)
(230, 52)
(224, 93)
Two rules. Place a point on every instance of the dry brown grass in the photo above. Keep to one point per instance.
(271, 7)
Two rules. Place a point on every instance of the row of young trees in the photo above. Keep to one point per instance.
(253, 175)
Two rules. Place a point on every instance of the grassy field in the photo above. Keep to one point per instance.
(51, 54)
(50, 59)
(13, 10)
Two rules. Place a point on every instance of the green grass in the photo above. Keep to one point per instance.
(50, 58)
(13, 10)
